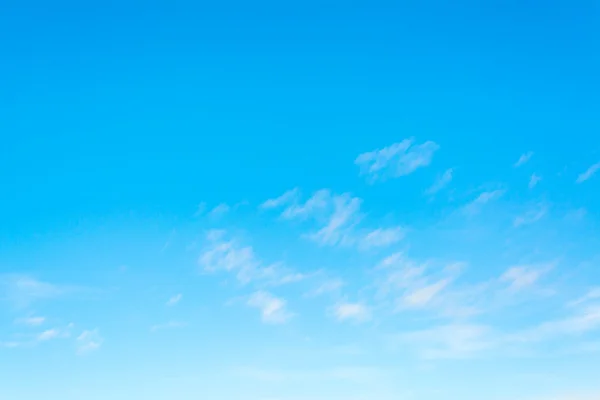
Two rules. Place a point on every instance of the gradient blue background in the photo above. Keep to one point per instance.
(117, 119)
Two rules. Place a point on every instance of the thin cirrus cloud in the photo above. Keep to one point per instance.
(219, 210)
(337, 216)
(591, 171)
(441, 182)
(484, 198)
(222, 255)
(534, 180)
(523, 159)
(167, 326)
(531, 216)
(356, 312)
(399, 159)
(273, 310)
(31, 321)
(88, 341)
(174, 300)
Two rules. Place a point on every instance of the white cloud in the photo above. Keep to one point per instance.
(583, 321)
(521, 277)
(88, 341)
(534, 180)
(22, 290)
(31, 321)
(318, 201)
(351, 311)
(523, 159)
(531, 216)
(588, 173)
(453, 341)
(344, 216)
(219, 210)
(330, 286)
(228, 256)
(592, 294)
(441, 182)
(55, 333)
(423, 296)
(381, 237)
(396, 160)
(168, 325)
(200, 209)
(273, 309)
(48, 335)
(174, 300)
(290, 196)
(484, 198)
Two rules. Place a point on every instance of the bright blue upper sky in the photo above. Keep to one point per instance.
(316, 201)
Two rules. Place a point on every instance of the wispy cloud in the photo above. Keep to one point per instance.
(55, 333)
(23, 290)
(344, 216)
(381, 237)
(319, 201)
(531, 216)
(174, 300)
(327, 287)
(396, 160)
(534, 180)
(441, 182)
(523, 276)
(422, 296)
(88, 341)
(357, 312)
(273, 309)
(588, 173)
(524, 159)
(168, 325)
(486, 197)
(223, 255)
(31, 321)
(219, 210)
(453, 341)
(592, 294)
(288, 197)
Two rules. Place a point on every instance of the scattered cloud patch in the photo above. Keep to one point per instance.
(229, 256)
(441, 182)
(534, 180)
(521, 277)
(396, 160)
(484, 198)
(356, 312)
(327, 287)
(291, 196)
(453, 341)
(174, 300)
(423, 296)
(273, 309)
(23, 290)
(31, 321)
(381, 237)
(524, 159)
(531, 216)
(592, 294)
(219, 210)
(168, 325)
(88, 341)
(591, 171)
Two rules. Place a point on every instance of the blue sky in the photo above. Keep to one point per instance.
(300, 201)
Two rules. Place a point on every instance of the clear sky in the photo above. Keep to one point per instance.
(316, 200)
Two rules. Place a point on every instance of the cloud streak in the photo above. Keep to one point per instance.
(399, 159)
